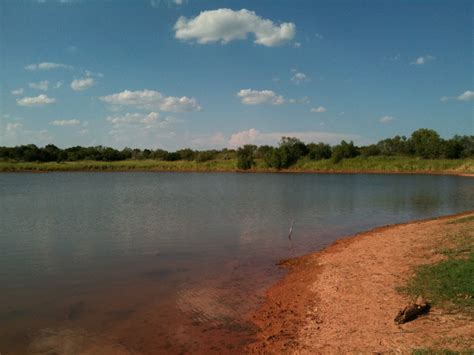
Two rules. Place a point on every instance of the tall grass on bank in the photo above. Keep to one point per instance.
(358, 164)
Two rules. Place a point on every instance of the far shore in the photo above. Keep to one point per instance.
(359, 165)
(343, 299)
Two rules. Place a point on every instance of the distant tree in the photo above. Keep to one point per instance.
(159, 154)
(262, 151)
(319, 151)
(206, 155)
(272, 158)
(393, 146)
(245, 156)
(344, 151)
(426, 143)
(186, 154)
(290, 150)
(370, 150)
(172, 156)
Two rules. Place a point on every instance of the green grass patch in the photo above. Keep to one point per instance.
(448, 284)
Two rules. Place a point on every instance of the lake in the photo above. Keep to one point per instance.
(174, 262)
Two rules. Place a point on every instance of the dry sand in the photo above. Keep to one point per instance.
(344, 300)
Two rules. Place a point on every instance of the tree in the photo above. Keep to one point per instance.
(426, 143)
(245, 156)
(344, 151)
(290, 150)
(186, 154)
(319, 151)
(393, 146)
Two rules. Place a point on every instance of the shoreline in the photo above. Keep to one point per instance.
(224, 171)
(324, 303)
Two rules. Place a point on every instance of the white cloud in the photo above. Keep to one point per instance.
(386, 119)
(255, 97)
(254, 136)
(319, 109)
(73, 122)
(423, 60)
(297, 44)
(42, 85)
(466, 96)
(299, 77)
(134, 118)
(58, 84)
(82, 84)
(19, 91)
(225, 25)
(150, 99)
(318, 36)
(47, 66)
(39, 100)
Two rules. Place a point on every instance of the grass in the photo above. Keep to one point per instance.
(358, 164)
(449, 284)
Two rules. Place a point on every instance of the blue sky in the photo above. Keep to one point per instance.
(210, 74)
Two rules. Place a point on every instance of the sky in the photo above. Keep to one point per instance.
(210, 74)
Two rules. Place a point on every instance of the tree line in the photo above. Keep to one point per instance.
(423, 143)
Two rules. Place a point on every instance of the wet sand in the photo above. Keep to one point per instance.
(343, 299)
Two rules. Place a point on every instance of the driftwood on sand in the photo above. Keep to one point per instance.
(412, 311)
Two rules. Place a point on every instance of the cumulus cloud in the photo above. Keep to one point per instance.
(386, 119)
(423, 60)
(73, 122)
(465, 96)
(19, 91)
(47, 66)
(254, 136)
(42, 85)
(299, 77)
(152, 100)
(225, 25)
(39, 100)
(82, 84)
(255, 97)
(319, 109)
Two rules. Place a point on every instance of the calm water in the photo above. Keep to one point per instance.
(164, 262)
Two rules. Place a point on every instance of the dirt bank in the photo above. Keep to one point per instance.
(344, 299)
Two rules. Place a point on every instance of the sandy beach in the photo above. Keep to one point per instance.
(344, 298)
